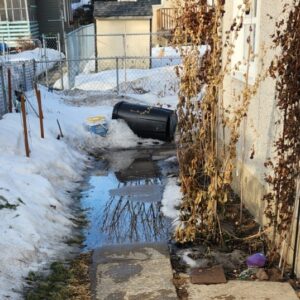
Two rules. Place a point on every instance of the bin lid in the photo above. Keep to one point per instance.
(95, 120)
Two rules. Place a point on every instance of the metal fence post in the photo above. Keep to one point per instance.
(9, 86)
(24, 77)
(67, 55)
(45, 58)
(60, 62)
(3, 89)
(34, 72)
(3, 47)
(125, 54)
(117, 74)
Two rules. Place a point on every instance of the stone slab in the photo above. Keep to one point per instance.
(242, 290)
(139, 193)
(133, 272)
(211, 275)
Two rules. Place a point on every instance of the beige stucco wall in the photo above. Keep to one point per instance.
(259, 131)
(112, 46)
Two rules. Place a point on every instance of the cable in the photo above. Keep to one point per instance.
(31, 106)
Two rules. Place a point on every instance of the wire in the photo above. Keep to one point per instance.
(27, 100)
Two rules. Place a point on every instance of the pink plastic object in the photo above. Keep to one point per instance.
(257, 260)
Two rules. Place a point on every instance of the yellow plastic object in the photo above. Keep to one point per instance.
(95, 120)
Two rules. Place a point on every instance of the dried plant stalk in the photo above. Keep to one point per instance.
(285, 166)
(205, 176)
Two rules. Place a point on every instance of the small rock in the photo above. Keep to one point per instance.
(261, 275)
(274, 274)
(184, 275)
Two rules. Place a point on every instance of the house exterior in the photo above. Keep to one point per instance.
(28, 19)
(259, 131)
(116, 21)
(150, 20)
(164, 14)
(54, 16)
(18, 19)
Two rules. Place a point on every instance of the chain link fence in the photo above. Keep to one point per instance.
(14, 46)
(83, 44)
(87, 67)
(22, 80)
(117, 74)
(80, 45)
(121, 75)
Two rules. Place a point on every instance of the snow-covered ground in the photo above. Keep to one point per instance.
(171, 200)
(78, 3)
(161, 78)
(35, 196)
(150, 86)
(35, 201)
(37, 54)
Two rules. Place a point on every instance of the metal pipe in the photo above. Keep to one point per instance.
(293, 274)
(117, 74)
(113, 57)
(3, 89)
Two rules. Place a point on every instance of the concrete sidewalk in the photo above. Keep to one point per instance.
(143, 272)
(133, 272)
(242, 290)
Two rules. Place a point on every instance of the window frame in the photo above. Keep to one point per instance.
(11, 10)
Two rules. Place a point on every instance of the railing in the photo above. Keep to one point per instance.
(166, 19)
(12, 31)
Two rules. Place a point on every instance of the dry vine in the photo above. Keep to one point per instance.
(285, 168)
(205, 167)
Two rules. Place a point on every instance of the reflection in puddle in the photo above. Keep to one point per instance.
(124, 206)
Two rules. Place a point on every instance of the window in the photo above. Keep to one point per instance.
(2, 11)
(247, 41)
(13, 10)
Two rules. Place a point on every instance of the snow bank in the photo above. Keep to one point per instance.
(157, 87)
(170, 56)
(34, 199)
(171, 200)
(37, 54)
(32, 231)
(79, 3)
(155, 80)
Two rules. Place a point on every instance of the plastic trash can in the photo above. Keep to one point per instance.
(147, 121)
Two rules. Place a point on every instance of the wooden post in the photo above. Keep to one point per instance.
(41, 116)
(27, 150)
(10, 104)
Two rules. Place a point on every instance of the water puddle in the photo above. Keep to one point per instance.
(123, 198)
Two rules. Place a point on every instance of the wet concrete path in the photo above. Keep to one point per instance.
(133, 272)
(127, 232)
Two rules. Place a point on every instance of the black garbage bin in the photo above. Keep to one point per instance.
(147, 121)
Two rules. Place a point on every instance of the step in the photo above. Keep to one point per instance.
(242, 290)
(136, 271)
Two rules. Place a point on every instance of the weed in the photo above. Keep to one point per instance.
(66, 281)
